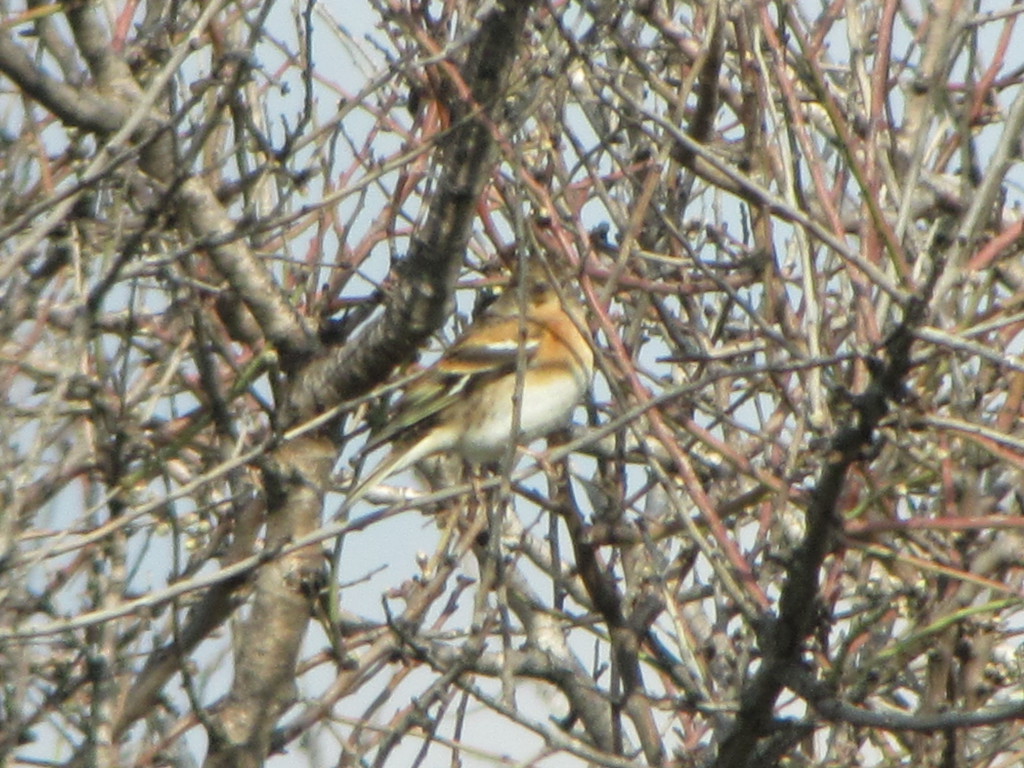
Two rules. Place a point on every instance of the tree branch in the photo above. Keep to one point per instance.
(420, 302)
(782, 641)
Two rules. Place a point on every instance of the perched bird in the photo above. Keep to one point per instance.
(463, 403)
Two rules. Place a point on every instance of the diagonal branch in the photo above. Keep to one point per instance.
(297, 473)
(74, 106)
(119, 103)
(783, 639)
(420, 303)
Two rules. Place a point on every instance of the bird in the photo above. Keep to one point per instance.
(463, 403)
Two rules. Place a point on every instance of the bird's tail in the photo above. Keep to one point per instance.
(397, 460)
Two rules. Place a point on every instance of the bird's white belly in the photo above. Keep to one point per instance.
(544, 408)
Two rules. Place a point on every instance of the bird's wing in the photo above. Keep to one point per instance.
(489, 350)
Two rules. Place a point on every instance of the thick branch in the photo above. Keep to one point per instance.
(74, 106)
(249, 279)
(298, 475)
(420, 304)
(267, 646)
(830, 707)
(783, 640)
(107, 111)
